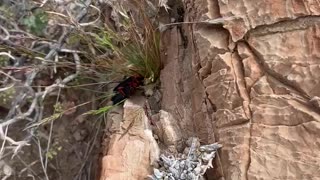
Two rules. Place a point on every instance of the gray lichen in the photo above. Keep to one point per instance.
(189, 165)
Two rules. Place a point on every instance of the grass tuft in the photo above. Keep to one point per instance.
(137, 51)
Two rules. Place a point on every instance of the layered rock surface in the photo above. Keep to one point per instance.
(132, 148)
(252, 84)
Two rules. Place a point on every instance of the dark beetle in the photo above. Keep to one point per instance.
(126, 88)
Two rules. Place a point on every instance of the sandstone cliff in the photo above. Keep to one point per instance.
(250, 83)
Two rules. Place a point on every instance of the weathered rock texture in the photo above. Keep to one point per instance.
(252, 84)
(132, 151)
(168, 131)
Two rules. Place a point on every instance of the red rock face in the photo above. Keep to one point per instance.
(252, 84)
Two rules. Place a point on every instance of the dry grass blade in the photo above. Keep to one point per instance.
(137, 52)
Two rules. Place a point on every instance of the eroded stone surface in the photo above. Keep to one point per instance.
(292, 56)
(250, 14)
(284, 134)
(168, 130)
(258, 97)
(133, 151)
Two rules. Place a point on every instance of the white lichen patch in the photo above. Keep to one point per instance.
(189, 165)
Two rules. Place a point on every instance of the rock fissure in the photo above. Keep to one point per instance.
(283, 125)
(298, 23)
(274, 74)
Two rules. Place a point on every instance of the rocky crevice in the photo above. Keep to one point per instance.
(300, 23)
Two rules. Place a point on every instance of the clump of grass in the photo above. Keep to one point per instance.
(136, 50)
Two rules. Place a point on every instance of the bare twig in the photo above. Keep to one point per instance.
(6, 32)
(3, 142)
(10, 77)
(43, 3)
(7, 54)
(28, 104)
(50, 135)
(221, 20)
(6, 88)
(39, 96)
(41, 160)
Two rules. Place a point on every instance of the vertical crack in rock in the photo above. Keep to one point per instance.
(177, 72)
(244, 94)
(240, 82)
(207, 101)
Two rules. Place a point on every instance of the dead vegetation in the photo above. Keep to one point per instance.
(51, 49)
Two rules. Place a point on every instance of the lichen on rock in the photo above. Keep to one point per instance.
(191, 164)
